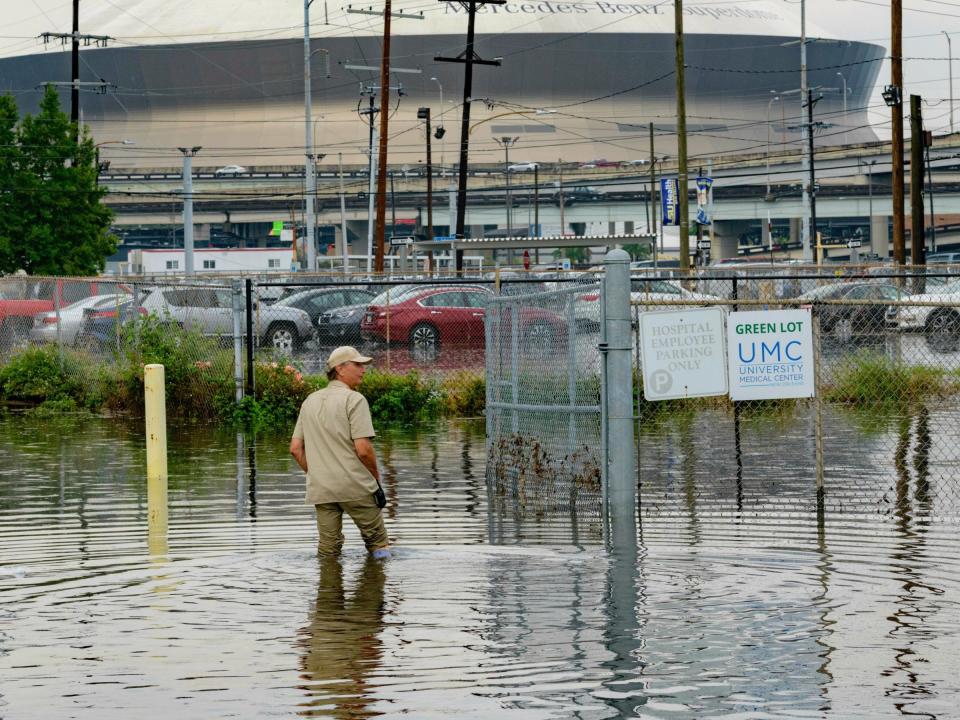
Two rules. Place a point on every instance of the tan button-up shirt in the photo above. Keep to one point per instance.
(330, 420)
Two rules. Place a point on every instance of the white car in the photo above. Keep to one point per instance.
(44, 328)
(210, 311)
(944, 316)
(648, 291)
(230, 170)
(523, 167)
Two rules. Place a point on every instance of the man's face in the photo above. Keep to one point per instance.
(351, 373)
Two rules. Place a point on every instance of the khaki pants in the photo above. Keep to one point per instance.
(365, 515)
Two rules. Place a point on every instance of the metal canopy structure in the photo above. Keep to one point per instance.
(523, 243)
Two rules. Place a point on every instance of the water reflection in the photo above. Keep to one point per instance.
(341, 649)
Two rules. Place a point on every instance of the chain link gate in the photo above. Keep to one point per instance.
(543, 381)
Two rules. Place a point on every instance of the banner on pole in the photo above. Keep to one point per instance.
(703, 200)
(670, 201)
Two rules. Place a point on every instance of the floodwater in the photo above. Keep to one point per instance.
(481, 613)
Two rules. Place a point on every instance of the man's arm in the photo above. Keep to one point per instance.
(299, 452)
(364, 449)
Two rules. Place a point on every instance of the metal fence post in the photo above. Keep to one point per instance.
(250, 379)
(619, 394)
(237, 298)
(818, 408)
(57, 289)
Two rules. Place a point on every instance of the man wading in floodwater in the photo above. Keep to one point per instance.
(332, 443)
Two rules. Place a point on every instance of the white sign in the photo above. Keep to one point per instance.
(771, 354)
(683, 353)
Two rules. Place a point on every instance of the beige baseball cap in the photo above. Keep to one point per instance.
(346, 353)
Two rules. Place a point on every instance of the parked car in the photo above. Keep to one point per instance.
(227, 170)
(454, 314)
(599, 163)
(21, 298)
(649, 292)
(948, 258)
(846, 321)
(343, 323)
(578, 194)
(940, 317)
(210, 310)
(45, 330)
(317, 301)
(99, 327)
(523, 167)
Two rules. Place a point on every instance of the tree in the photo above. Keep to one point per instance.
(52, 220)
(638, 251)
(576, 255)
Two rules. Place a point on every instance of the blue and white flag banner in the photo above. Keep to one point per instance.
(670, 201)
(703, 200)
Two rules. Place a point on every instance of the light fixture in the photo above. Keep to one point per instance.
(891, 95)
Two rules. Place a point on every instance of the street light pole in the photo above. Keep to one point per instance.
(769, 105)
(950, 74)
(188, 154)
(870, 205)
(505, 143)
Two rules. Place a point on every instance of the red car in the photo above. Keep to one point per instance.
(453, 314)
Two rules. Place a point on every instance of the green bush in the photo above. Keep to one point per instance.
(37, 374)
(873, 380)
(465, 394)
(401, 398)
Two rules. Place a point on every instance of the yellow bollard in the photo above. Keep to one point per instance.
(155, 404)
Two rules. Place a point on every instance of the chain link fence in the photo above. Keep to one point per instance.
(880, 435)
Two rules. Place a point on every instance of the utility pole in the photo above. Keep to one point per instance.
(563, 229)
(370, 111)
(807, 236)
(424, 114)
(188, 154)
(384, 119)
(917, 255)
(75, 71)
(896, 109)
(310, 190)
(950, 74)
(927, 144)
(75, 37)
(812, 194)
(469, 58)
(344, 247)
(682, 138)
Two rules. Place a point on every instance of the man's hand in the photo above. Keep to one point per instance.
(299, 452)
(364, 449)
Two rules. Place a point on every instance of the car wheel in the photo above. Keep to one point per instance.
(283, 336)
(88, 343)
(540, 338)
(13, 332)
(425, 335)
(943, 322)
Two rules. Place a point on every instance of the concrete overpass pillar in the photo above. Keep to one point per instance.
(726, 238)
(879, 237)
(795, 234)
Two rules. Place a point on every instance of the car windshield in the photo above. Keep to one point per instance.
(951, 288)
(394, 294)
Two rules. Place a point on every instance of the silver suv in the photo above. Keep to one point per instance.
(210, 310)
